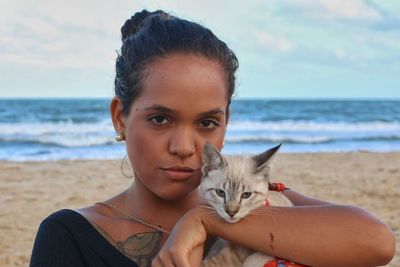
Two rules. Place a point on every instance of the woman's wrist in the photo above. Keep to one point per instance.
(205, 217)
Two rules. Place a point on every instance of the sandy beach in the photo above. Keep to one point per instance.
(29, 191)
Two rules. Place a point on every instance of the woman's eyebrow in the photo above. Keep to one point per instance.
(163, 109)
(213, 112)
(159, 108)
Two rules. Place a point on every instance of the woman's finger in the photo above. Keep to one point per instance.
(181, 261)
(162, 261)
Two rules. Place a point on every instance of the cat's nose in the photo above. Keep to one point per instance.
(231, 212)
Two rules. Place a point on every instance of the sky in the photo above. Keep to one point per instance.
(286, 48)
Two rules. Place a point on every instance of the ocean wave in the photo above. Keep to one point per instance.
(59, 134)
(44, 128)
(306, 139)
(68, 141)
(60, 141)
(69, 134)
(69, 127)
(313, 126)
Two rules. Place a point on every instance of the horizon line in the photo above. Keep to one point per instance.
(2, 98)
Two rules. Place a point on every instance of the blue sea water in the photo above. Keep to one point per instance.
(34, 129)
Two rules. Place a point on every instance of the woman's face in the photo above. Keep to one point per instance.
(183, 104)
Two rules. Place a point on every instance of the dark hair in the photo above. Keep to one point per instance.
(150, 35)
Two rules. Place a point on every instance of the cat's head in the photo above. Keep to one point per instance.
(235, 185)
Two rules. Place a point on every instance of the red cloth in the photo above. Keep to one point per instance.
(282, 263)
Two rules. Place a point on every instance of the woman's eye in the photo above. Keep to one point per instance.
(246, 194)
(209, 124)
(220, 192)
(159, 120)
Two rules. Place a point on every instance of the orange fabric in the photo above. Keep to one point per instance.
(279, 187)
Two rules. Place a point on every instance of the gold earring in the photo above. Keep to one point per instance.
(119, 137)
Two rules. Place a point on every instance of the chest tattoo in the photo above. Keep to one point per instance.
(141, 247)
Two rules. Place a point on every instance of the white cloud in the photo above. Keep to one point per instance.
(340, 54)
(344, 55)
(55, 33)
(330, 10)
(349, 9)
(274, 43)
(61, 34)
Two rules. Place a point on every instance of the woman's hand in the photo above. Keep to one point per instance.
(185, 245)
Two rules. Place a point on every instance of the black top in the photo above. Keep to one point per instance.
(66, 238)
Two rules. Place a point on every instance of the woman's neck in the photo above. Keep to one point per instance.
(138, 201)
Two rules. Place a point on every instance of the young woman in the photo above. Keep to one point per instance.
(174, 83)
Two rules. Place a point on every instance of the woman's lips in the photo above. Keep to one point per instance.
(178, 172)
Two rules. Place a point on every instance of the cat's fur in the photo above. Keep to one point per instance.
(234, 187)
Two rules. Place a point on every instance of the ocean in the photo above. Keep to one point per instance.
(54, 129)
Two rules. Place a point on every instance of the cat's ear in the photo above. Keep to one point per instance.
(262, 160)
(211, 159)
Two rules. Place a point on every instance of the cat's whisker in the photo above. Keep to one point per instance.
(212, 213)
(206, 206)
(276, 217)
(267, 212)
(273, 216)
(211, 209)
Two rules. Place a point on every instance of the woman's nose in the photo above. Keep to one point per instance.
(182, 143)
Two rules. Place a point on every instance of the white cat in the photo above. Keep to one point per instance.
(234, 187)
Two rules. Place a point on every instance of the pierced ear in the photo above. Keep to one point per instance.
(117, 116)
(211, 159)
(262, 160)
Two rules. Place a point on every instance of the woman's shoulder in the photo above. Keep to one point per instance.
(57, 240)
(64, 217)
(71, 217)
(67, 238)
(69, 226)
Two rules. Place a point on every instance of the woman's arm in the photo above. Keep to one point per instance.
(313, 235)
(324, 235)
(298, 199)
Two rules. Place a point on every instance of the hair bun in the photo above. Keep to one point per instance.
(133, 25)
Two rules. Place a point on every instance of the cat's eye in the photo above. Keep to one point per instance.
(220, 192)
(246, 194)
